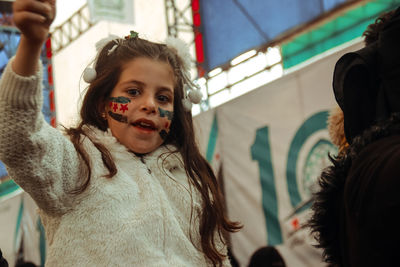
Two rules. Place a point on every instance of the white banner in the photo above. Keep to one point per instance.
(273, 144)
(20, 226)
(112, 10)
(270, 144)
(9, 211)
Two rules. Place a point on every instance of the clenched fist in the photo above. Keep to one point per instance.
(33, 18)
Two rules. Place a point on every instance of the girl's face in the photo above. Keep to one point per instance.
(140, 108)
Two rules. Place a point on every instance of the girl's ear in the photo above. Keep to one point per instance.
(102, 109)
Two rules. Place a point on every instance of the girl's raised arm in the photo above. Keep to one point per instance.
(33, 19)
(38, 157)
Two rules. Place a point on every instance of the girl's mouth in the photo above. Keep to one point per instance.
(145, 125)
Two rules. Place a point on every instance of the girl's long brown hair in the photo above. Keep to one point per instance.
(108, 68)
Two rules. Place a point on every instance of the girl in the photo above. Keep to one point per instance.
(129, 186)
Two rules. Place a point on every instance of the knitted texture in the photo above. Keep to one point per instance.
(146, 215)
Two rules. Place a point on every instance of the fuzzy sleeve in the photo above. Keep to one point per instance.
(37, 156)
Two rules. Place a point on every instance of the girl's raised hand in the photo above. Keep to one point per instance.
(33, 19)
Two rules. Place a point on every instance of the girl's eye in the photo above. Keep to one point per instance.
(133, 92)
(163, 98)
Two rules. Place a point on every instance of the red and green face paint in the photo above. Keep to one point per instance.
(119, 104)
(168, 115)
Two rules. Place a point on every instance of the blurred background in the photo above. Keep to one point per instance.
(265, 69)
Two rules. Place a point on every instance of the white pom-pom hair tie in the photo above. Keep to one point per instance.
(195, 96)
(187, 105)
(182, 49)
(89, 75)
(192, 94)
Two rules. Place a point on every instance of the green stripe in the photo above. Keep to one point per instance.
(212, 140)
(8, 187)
(42, 242)
(119, 99)
(19, 219)
(347, 27)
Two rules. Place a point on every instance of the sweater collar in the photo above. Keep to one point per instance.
(119, 151)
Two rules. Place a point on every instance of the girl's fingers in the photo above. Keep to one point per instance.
(35, 6)
(29, 17)
(33, 19)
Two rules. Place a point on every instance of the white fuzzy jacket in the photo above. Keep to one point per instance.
(139, 217)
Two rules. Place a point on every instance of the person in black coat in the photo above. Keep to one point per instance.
(355, 211)
(3, 262)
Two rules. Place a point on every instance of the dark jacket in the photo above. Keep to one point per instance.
(355, 211)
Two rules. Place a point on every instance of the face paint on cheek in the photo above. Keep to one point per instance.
(120, 104)
(118, 117)
(123, 108)
(119, 99)
(169, 115)
(166, 113)
(163, 134)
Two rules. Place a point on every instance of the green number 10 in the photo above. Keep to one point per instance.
(261, 152)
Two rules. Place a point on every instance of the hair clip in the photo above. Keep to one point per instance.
(104, 41)
(112, 49)
(132, 35)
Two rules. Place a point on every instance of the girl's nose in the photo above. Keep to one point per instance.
(148, 105)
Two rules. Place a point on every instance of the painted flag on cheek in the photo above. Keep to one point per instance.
(118, 106)
(168, 115)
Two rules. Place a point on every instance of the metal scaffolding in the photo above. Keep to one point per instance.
(180, 24)
(183, 21)
(179, 19)
(71, 29)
